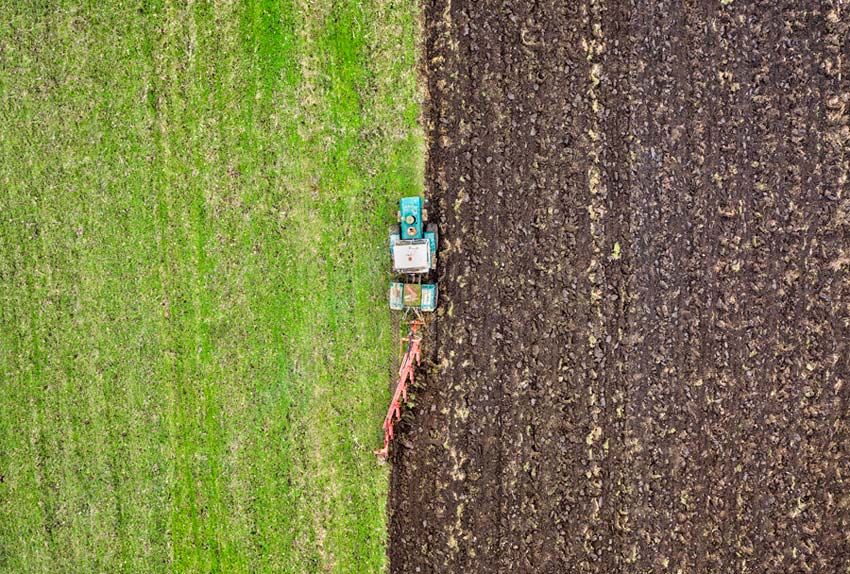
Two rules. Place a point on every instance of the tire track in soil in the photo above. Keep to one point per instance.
(640, 358)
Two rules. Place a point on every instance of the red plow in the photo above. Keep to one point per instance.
(411, 357)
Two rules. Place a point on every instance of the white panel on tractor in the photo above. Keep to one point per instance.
(412, 256)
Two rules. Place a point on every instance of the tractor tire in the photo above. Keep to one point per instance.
(395, 229)
(432, 228)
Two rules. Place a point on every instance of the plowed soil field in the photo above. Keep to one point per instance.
(640, 362)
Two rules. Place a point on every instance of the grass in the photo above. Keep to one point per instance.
(194, 341)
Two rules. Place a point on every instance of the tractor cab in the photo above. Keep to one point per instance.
(413, 247)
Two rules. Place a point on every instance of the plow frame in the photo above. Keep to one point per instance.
(412, 357)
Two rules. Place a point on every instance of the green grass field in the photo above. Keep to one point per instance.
(195, 348)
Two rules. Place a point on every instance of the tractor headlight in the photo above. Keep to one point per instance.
(410, 219)
(411, 231)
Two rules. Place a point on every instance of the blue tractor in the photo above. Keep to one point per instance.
(413, 245)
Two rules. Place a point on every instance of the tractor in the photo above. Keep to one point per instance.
(413, 246)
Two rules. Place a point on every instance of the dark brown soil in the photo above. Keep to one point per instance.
(640, 361)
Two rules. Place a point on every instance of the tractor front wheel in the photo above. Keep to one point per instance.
(395, 230)
(432, 228)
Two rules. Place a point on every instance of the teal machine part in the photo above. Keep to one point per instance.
(428, 301)
(412, 295)
(413, 246)
(410, 212)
